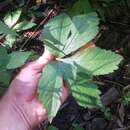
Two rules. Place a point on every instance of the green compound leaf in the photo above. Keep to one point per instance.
(17, 59)
(81, 85)
(63, 35)
(97, 61)
(12, 17)
(77, 73)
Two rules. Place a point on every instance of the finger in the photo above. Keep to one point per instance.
(30, 72)
(37, 66)
(45, 58)
(64, 93)
(39, 113)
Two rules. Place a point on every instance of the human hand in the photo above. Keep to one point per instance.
(20, 108)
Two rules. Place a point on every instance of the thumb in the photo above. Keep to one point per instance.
(37, 65)
(45, 58)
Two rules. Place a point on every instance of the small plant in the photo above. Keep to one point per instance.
(11, 26)
(63, 36)
(105, 8)
(126, 98)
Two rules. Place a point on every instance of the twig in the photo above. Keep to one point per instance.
(114, 22)
(109, 81)
(35, 31)
(2, 37)
(28, 1)
(100, 83)
(127, 87)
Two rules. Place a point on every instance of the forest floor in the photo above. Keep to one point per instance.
(115, 35)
